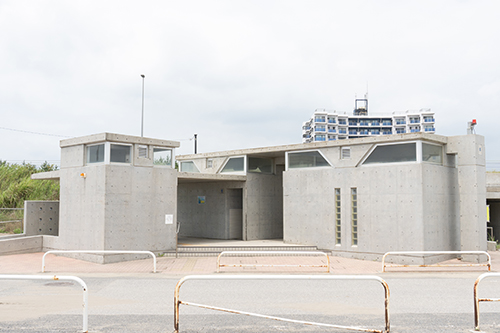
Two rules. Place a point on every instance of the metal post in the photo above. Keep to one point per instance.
(142, 118)
(196, 143)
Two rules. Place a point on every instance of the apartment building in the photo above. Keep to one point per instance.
(327, 125)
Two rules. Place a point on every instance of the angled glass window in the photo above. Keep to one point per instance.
(234, 164)
(260, 165)
(162, 156)
(189, 166)
(120, 154)
(432, 153)
(308, 159)
(404, 152)
(95, 153)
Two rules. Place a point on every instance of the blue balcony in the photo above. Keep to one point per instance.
(342, 131)
(319, 120)
(320, 138)
(400, 131)
(363, 132)
(400, 122)
(353, 132)
(430, 129)
(414, 130)
(387, 123)
(331, 138)
(375, 132)
(414, 121)
(386, 132)
(331, 121)
(363, 123)
(429, 120)
(320, 129)
(375, 123)
(342, 122)
(353, 123)
(332, 130)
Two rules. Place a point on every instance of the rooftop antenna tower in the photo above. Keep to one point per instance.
(361, 106)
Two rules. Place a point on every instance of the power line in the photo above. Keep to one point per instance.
(37, 133)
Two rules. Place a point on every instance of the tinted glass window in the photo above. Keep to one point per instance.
(406, 152)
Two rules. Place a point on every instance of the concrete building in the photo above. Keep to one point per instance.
(359, 197)
(355, 197)
(332, 125)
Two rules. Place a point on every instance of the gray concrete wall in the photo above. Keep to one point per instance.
(137, 201)
(401, 207)
(41, 218)
(264, 198)
(471, 164)
(21, 245)
(441, 208)
(389, 208)
(117, 207)
(209, 219)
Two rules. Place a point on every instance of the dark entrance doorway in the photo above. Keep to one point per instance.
(235, 211)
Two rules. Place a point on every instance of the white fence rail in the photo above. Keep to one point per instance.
(100, 252)
(58, 278)
(271, 253)
(178, 302)
(424, 253)
(477, 299)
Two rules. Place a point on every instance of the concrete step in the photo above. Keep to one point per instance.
(213, 251)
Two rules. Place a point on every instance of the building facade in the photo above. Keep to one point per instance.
(328, 126)
(356, 197)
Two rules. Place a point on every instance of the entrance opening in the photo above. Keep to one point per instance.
(235, 211)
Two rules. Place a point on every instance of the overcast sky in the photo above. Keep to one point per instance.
(240, 74)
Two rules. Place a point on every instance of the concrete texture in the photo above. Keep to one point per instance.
(41, 218)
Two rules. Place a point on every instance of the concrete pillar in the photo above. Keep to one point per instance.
(471, 164)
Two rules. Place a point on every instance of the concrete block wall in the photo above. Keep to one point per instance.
(41, 218)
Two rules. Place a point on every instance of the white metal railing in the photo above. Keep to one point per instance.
(178, 302)
(99, 252)
(58, 278)
(477, 299)
(257, 253)
(423, 253)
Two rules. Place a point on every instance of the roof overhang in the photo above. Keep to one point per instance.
(194, 177)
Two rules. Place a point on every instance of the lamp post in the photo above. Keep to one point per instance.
(142, 118)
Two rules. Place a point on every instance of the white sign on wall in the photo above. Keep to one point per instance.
(169, 219)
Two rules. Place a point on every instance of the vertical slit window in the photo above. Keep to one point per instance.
(338, 223)
(354, 216)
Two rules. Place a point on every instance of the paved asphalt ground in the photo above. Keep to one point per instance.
(127, 297)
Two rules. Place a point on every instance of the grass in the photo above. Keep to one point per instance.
(16, 186)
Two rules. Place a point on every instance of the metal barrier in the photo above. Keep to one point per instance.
(58, 278)
(488, 264)
(98, 251)
(477, 300)
(275, 253)
(178, 302)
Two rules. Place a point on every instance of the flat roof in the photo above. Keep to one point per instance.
(120, 138)
(277, 151)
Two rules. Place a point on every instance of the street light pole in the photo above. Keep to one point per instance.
(142, 118)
